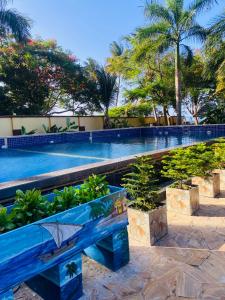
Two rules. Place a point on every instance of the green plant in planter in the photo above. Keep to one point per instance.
(6, 222)
(94, 187)
(178, 167)
(219, 151)
(25, 132)
(30, 206)
(202, 160)
(141, 184)
(64, 200)
(52, 129)
(70, 125)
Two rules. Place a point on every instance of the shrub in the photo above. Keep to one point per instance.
(92, 188)
(118, 123)
(141, 184)
(63, 200)
(182, 164)
(202, 159)
(219, 152)
(6, 222)
(178, 167)
(30, 206)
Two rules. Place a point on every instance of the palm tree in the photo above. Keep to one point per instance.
(172, 24)
(12, 22)
(107, 89)
(117, 51)
(215, 47)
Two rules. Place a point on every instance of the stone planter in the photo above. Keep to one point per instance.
(222, 178)
(208, 187)
(146, 228)
(184, 202)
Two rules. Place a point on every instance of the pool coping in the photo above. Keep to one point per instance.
(53, 179)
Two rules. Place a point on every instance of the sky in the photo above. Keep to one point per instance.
(87, 27)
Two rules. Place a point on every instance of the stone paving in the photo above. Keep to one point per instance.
(189, 263)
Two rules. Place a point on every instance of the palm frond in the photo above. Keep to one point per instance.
(188, 54)
(157, 12)
(106, 86)
(13, 22)
(154, 30)
(116, 49)
(199, 5)
(196, 32)
(218, 25)
(176, 7)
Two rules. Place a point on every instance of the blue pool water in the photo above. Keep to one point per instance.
(36, 160)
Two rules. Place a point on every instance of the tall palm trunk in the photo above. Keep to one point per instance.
(118, 93)
(106, 118)
(178, 84)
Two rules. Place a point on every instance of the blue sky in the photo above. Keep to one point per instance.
(87, 27)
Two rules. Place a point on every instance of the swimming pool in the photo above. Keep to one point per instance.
(31, 157)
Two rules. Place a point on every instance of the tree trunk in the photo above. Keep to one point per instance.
(106, 119)
(155, 115)
(196, 120)
(165, 115)
(178, 84)
(118, 93)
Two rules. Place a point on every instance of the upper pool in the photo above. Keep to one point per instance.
(31, 156)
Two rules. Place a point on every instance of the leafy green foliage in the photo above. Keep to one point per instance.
(177, 166)
(219, 151)
(142, 109)
(25, 132)
(6, 222)
(92, 188)
(52, 129)
(203, 160)
(70, 125)
(64, 200)
(184, 163)
(141, 184)
(118, 123)
(30, 206)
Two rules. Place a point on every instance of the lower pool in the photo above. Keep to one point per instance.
(25, 162)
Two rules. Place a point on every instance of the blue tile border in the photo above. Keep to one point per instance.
(2, 142)
(108, 135)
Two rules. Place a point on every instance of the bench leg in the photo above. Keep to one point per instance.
(112, 252)
(7, 295)
(62, 282)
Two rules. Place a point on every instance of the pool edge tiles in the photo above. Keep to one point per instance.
(107, 134)
(62, 177)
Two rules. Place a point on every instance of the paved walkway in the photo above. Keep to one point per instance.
(187, 264)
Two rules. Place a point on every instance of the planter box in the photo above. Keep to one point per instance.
(147, 228)
(222, 178)
(47, 253)
(184, 202)
(208, 187)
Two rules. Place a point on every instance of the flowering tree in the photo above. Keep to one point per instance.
(39, 75)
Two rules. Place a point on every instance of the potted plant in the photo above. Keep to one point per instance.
(219, 151)
(146, 214)
(181, 196)
(203, 169)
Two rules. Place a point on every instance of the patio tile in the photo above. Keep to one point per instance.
(183, 265)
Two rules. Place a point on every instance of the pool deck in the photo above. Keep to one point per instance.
(189, 263)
